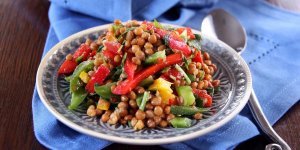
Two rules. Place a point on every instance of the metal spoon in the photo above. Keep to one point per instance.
(225, 27)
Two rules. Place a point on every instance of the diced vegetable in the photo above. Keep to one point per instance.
(83, 51)
(195, 43)
(84, 76)
(187, 94)
(186, 110)
(188, 33)
(67, 67)
(152, 59)
(125, 86)
(164, 89)
(180, 122)
(198, 57)
(77, 98)
(207, 99)
(139, 100)
(146, 97)
(74, 79)
(183, 73)
(98, 77)
(104, 91)
(103, 104)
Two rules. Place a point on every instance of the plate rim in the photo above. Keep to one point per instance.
(154, 141)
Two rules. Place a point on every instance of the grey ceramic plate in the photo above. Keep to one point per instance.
(236, 85)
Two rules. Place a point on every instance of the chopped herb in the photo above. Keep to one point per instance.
(195, 43)
(157, 24)
(166, 39)
(202, 73)
(79, 59)
(100, 48)
(183, 73)
(198, 36)
(210, 91)
(186, 62)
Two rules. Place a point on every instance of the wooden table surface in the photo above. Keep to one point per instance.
(23, 31)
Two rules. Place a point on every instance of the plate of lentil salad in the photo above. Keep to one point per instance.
(143, 82)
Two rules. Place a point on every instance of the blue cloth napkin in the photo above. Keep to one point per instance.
(272, 54)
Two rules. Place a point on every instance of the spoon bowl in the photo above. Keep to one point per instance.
(220, 24)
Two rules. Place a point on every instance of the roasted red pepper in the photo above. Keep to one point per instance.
(127, 85)
(129, 68)
(67, 67)
(188, 30)
(83, 51)
(97, 78)
(203, 95)
(198, 57)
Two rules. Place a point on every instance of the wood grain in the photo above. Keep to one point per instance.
(23, 30)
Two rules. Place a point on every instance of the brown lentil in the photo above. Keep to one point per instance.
(140, 54)
(170, 117)
(136, 60)
(156, 119)
(155, 101)
(163, 124)
(140, 90)
(158, 110)
(133, 121)
(128, 117)
(207, 77)
(117, 21)
(152, 39)
(138, 31)
(91, 111)
(149, 106)
(135, 48)
(123, 105)
(149, 114)
(88, 41)
(207, 62)
(206, 56)
(132, 95)
(198, 116)
(133, 42)
(129, 36)
(149, 51)
(127, 44)
(123, 112)
(117, 58)
(140, 41)
(132, 103)
(200, 85)
(215, 83)
(151, 123)
(194, 84)
(139, 125)
(167, 110)
(145, 35)
(161, 48)
(124, 98)
(140, 115)
(69, 57)
(148, 45)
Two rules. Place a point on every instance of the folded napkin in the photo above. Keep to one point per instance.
(272, 54)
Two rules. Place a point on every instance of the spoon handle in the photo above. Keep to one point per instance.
(265, 126)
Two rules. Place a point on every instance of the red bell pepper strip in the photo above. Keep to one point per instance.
(98, 77)
(203, 94)
(129, 68)
(174, 41)
(198, 57)
(67, 67)
(188, 30)
(83, 51)
(127, 85)
(112, 47)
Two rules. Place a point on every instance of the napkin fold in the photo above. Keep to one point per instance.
(272, 54)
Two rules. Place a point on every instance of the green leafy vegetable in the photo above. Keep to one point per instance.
(100, 48)
(198, 36)
(147, 82)
(74, 79)
(77, 98)
(105, 90)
